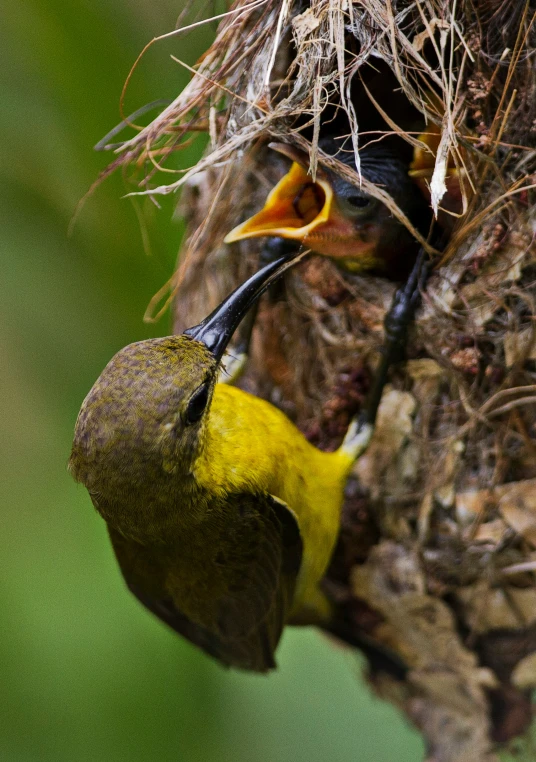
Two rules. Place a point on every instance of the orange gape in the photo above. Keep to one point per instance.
(334, 218)
(459, 190)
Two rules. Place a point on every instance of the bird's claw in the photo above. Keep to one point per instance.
(404, 304)
(396, 325)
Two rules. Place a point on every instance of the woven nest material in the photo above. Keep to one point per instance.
(437, 554)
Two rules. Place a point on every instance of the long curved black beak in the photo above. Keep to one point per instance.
(216, 330)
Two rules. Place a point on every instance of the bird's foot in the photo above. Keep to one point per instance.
(358, 436)
(403, 308)
(396, 326)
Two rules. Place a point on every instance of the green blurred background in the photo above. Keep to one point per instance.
(85, 672)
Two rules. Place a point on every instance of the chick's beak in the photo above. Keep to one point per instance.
(306, 211)
(293, 209)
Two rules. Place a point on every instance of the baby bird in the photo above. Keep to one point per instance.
(334, 218)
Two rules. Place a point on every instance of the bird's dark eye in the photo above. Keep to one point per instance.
(360, 202)
(358, 205)
(197, 404)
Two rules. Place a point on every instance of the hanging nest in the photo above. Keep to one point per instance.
(436, 558)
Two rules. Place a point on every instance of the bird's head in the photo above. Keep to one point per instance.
(142, 425)
(332, 216)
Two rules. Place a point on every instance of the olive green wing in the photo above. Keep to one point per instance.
(229, 589)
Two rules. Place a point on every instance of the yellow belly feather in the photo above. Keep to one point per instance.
(252, 446)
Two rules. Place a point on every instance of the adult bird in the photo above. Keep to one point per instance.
(223, 517)
(334, 218)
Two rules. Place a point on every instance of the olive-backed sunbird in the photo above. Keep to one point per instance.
(334, 218)
(223, 517)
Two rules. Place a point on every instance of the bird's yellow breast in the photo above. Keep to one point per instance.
(252, 446)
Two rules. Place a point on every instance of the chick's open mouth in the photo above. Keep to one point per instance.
(293, 209)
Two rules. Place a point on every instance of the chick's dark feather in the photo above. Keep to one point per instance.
(382, 165)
